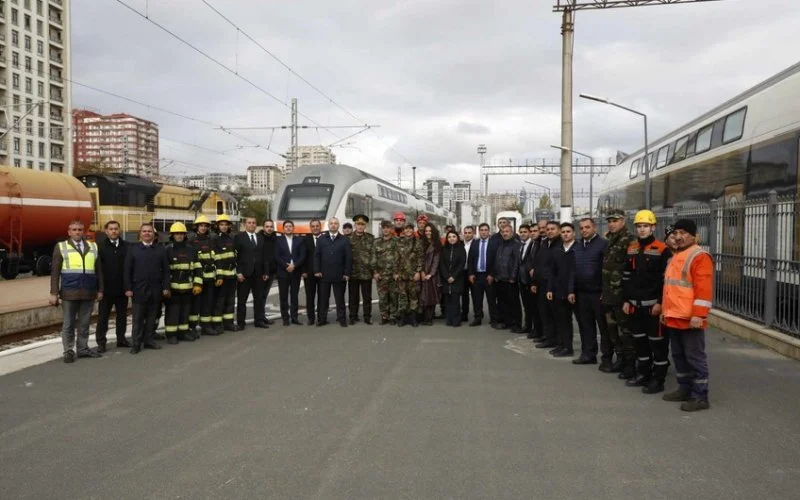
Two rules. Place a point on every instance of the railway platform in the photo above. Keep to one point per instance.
(24, 305)
(387, 412)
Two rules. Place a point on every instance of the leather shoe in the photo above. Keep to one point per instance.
(296, 322)
(343, 324)
(153, 346)
(385, 321)
(159, 336)
(122, 343)
(261, 324)
(69, 357)
(240, 327)
(310, 322)
(605, 366)
(172, 340)
(637, 381)
(322, 323)
(564, 353)
(584, 361)
(101, 347)
(270, 321)
(91, 353)
(538, 339)
(367, 321)
(475, 322)
(516, 330)
(136, 349)
(286, 322)
(544, 345)
(353, 321)
(555, 351)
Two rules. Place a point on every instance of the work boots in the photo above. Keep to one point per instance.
(606, 366)
(680, 394)
(654, 387)
(637, 381)
(695, 405)
(628, 370)
(617, 365)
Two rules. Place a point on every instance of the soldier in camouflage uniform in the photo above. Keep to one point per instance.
(385, 259)
(409, 269)
(614, 257)
(361, 243)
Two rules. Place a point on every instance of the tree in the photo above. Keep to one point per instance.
(515, 207)
(91, 168)
(255, 208)
(545, 202)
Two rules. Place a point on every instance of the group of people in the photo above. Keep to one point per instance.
(641, 294)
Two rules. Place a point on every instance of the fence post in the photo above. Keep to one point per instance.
(712, 228)
(771, 271)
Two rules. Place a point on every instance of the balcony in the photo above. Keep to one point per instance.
(56, 20)
(57, 156)
(56, 40)
(56, 58)
(56, 98)
(2, 81)
(57, 135)
(56, 80)
(57, 2)
(56, 117)
(3, 148)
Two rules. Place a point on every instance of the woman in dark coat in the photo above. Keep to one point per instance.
(430, 292)
(451, 275)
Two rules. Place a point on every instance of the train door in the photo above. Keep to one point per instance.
(732, 246)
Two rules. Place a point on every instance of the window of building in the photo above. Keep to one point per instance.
(40, 89)
(15, 38)
(41, 129)
(17, 163)
(16, 145)
(29, 148)
(27, 22)
(14, 17)
(28, 85)
(15, 101)
(40, 68)
(703, 139)
(28, 63)
(28, 42)
(39, 7)
(15, 59)
(29, 126)
(39, 28)
(15, 81)
(734, 126)
(40, 47)
(41, 111)
(42, 165)
(28, 4)
(41, 150)
(28, 103)
(29, 163)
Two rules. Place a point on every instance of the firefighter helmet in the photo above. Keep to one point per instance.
(645, 217)
(223, 218)
(201, 219)
(177, 227)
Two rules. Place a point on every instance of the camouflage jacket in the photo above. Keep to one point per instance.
(614, 258)
(385, 256)
(361, 247)
(410, 257)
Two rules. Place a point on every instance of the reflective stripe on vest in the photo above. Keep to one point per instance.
(77, 269)
(679, 298)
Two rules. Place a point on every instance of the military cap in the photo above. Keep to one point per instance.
(615, 214)
(386, 223)
(347, 225)
(360, 218)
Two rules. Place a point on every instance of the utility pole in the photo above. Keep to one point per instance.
(568, 9)
(484, 184)
(413, 179)
(295, 152)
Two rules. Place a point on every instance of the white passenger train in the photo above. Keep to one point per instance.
(341, 191)
(738, 151)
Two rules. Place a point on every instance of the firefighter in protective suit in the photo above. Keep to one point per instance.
(203, 304)
(185, 280)
(225, 283)
(642, 287)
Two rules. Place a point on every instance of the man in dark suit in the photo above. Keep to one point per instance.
(310, 281)
(250, 273)
(469, 235)
(146, 281)
(333, 263)
(270, 266)
(290, 257)
(542, 274)
(528, 235)
(481, 258)
(112, 251)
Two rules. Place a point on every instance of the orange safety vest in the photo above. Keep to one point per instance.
(679, 299)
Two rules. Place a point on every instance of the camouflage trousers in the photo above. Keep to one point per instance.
(407, 297)
(619, 332)
(387, 298)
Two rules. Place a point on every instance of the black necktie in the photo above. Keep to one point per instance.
(253, 239)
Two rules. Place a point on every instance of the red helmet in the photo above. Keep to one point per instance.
(422, 218)
(399, 215)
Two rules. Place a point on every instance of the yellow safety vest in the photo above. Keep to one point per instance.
(77, 269)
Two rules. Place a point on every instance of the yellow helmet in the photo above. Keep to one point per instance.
(223, 218)
(201, 219)
(645, 217)
(177, 227)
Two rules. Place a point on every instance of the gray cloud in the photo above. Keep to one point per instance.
(438, 76)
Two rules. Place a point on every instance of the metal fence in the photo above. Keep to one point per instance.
(756, 248)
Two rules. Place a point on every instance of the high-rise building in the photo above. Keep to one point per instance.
(309, 155)
(121, 142)
(34, 62)
(263, 179)
(462, 191)
(437, 190)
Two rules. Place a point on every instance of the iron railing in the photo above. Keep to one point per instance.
(756, 248)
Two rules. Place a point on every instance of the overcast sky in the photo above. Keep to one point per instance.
(438, 76)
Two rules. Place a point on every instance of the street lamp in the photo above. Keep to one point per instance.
(646, 160)
(591, 174)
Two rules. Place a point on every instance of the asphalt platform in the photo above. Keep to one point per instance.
(386, 412)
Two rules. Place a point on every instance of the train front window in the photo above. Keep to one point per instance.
(305, 201)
